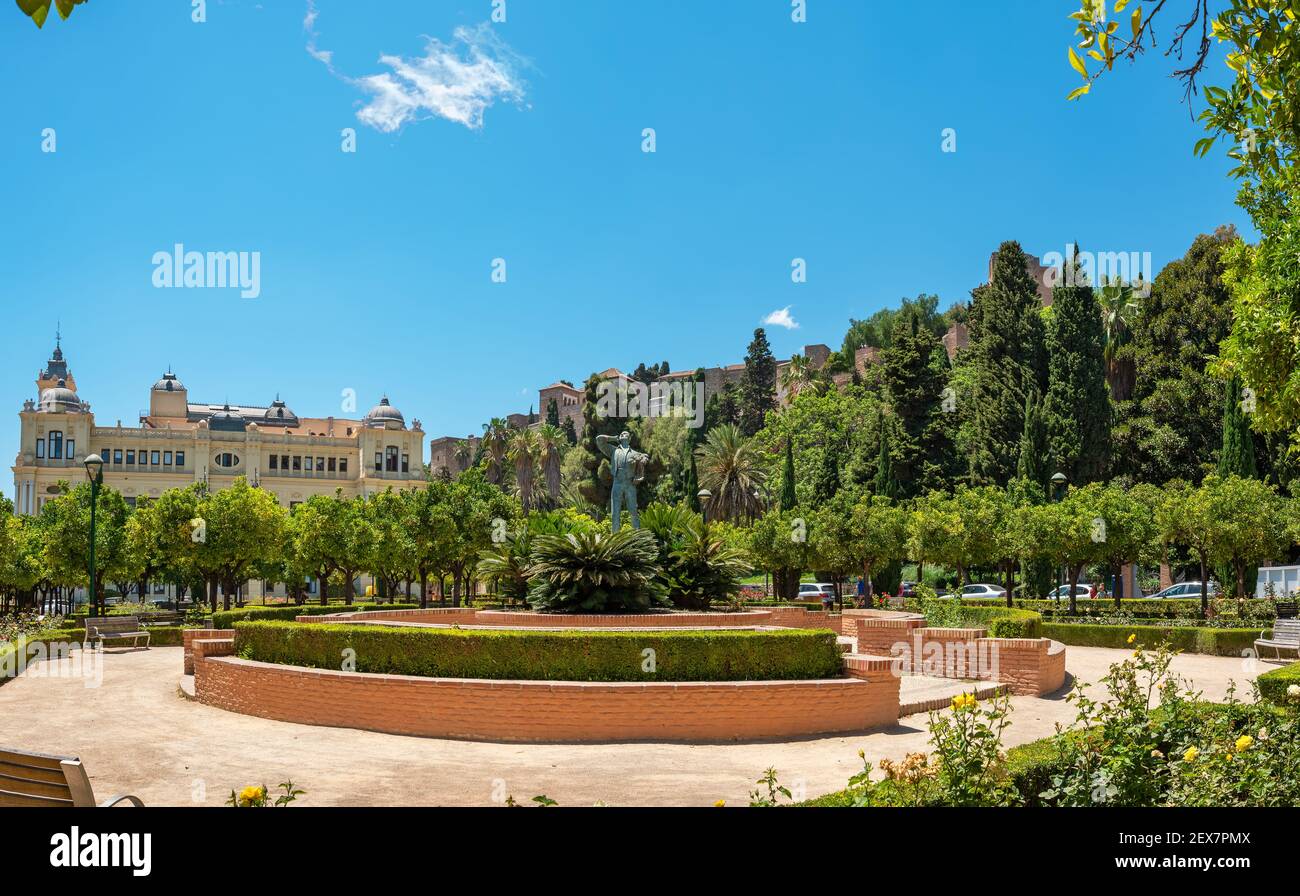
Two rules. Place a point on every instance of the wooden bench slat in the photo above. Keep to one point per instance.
(29, 787)
(17, 770)
(37, 760)
(21, 799)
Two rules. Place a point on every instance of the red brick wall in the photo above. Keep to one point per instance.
(187, 638)
(526, 711)
(616, 620)
(797, 617)
(443, 615)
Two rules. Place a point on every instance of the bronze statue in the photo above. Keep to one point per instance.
(627, 467)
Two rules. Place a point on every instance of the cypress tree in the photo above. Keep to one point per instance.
(1076, 408)
(1237, 456)
(914, 374)
(827, 482)
(758, 387)
(1035, 461)
(788, 499)
(886, 483)
(693, 486)
(1006, 359)
(553, 413)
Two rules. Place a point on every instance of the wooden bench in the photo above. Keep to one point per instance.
(115, 628)
(34, 779)
(1286, 636)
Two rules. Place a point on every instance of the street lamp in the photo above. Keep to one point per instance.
(95, 473)
(704, 495)
(1059, 482)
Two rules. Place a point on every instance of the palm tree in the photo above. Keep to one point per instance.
(522, 449)
(464, 454)
(495, 434)
(550, 438)
(729, 469)
(1117, 312)
(797, 374)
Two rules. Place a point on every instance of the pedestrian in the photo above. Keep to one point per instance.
(861, 602)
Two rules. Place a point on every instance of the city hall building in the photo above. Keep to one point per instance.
(179, 442)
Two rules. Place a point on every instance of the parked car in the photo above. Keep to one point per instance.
(982, 592)
(1081, 592)
(821, 591)
(907, 589)
(1187, 591)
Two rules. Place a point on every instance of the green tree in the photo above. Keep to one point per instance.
(914, 375)
(1006, 360)
(1246, 525)
(758, 385)
(1077, 405)
(1237, 457)
(1035, 460)
(243, 526)
(779, 543)
(729, 469)
(788, 497)
(37, 10)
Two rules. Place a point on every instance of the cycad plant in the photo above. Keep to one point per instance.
(594, 572)
(703, 569)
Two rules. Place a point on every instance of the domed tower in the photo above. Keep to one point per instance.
(169, 398)
(60, 399)
(55, 369)
(384, 416)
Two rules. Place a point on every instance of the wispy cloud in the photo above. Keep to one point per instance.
(781, 318)
(457, 81)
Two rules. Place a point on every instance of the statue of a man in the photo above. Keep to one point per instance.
(627, 467)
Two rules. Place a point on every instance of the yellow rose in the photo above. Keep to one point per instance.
(1243, 743)
(251, 795)
(1227, 756)
(1191, 754)
(719, 804)
(1132, 638)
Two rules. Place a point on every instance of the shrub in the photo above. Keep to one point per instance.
(592, 572)
(1189, 639)
(1273, 685)
(228, 618)
(1003, 622)
(793, 654)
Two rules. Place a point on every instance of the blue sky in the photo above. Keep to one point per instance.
(775, 141)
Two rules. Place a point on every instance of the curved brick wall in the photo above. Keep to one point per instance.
(527, 711)
(524, 618)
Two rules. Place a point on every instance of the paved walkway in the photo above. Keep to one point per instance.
(137, 735)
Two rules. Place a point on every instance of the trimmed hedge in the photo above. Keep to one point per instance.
(1213, 641)
(1171, 608)
(290, 612)
(1004, 622)
(1273, 685)
(779, 655)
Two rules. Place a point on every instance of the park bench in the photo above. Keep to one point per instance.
(34, 779)
(115, 628)
(1286, 636)
(1286, 609)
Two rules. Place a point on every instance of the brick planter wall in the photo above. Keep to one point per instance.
(525, 619)
(796, 617)
(529, 711)
(187, 639)
(437, 615)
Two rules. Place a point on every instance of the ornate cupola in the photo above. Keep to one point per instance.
(56, 369)
(169, 397)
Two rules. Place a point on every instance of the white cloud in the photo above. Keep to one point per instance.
(781, 318)
(457, 81)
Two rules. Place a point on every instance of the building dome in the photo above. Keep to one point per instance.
(60, 400)
(226, 420)
(384, 414)
(278, 412)
(169, 383)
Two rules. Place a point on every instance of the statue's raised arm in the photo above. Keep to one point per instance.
(606, 444)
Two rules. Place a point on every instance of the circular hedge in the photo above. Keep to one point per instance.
(633, 656)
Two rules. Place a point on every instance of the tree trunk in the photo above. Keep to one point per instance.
(1205, 591)
(1074, 572)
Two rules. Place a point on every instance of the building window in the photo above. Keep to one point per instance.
(117, 456)
(406, 463)
(167, 458)
(391, 465)
(284, 461)
(332, 465)
(72, 449)
(226, 459)
(307, 464)
(343, 464)
(379, 462)
(153, 458)
(180, 458)
(40, 448)
(275, 461)
(320, 465)
(130, 458)
(144, 458)
(56, 445)
(297, 462)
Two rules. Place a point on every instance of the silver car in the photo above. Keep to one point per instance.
(982, 592)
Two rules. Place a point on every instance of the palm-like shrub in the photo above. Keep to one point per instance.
(703, 568)
(508, 563)
(592, 572)
(729, 468)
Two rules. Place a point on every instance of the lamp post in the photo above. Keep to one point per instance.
(1059, 482)
(704, 495)
(95, 473)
